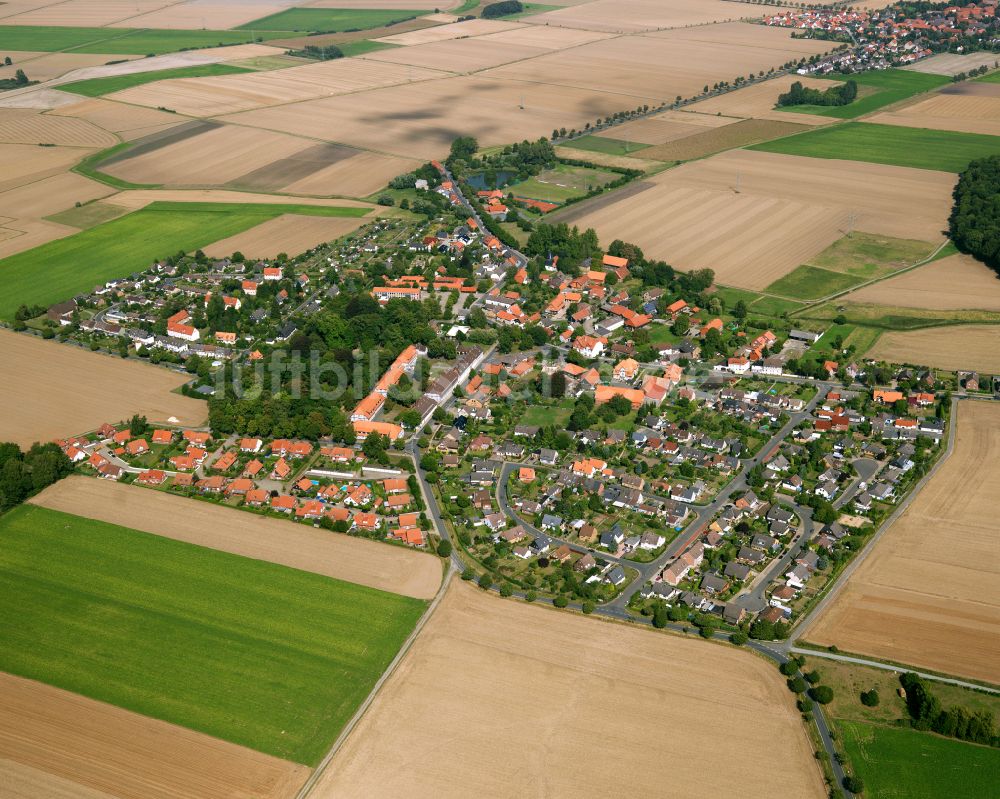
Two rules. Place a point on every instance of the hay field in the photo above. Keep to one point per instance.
(787, 211)
(62, 390)
(967, 113)
(396, 569)
(646, 67)
(128, 121)
(228, 94)
(22, 126)
(457, 30)
(953, 63)
(955, 283)
(421, 119)
(631, 16)
(62, 745)
(504, 699)
(955, 347)
(357, 176)
(757, 101)
(289, 233)
(929, 593)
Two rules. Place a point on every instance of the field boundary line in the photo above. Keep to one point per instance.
(320, 769)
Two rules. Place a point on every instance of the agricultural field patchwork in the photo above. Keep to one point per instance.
(876, 90)
(97, 87)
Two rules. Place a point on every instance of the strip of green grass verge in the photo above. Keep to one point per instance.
(362, 46)
(88, 167)
(97, 87)
(944, 150)
(889, 86)
(63, 268)
(251, 652)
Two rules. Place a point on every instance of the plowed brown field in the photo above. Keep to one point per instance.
(929, 593)
(357, 560)
(503, 699)
(59, 745)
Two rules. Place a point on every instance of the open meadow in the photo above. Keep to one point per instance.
(298, 546)
(754, 217)
(501, 698)
(61, 745)
(929, 593)
(258, 654)
(63, 390)
(957, 347)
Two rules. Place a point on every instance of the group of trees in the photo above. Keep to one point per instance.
(798, 94)
(926, 713)
(23, 474)
(502, 9)
(974, 224)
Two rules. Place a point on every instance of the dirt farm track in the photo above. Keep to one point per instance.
(504, 699)
(929, 594)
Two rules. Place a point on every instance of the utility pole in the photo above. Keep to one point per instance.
(738, 180)
(852, 218)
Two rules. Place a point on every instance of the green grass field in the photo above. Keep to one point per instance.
(255, 653)
(331, 20)
(900, 762)
(811, 283)
(993, 77)
(599, 144)
(362, 46)
(885, 86)
(96, 87)
(563, 183)
(88, 215)
(869, 256)
(889, 144)
(60, 269)
(774, 306)
(125, 41)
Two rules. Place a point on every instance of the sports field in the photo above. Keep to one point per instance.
(96, 87)
(944, 150)
(251, 652)
(876, 89)
(900, 762)
(63, 268)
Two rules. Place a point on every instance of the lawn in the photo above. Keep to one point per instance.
(251, 652)
(773, 306)
(97, 87)
(331, 20)
(60, 269)
(900, 762)
(546, 415)
(563, 183)
(599, 144)
(126, 41)
(884, 87)
(889, 144)
(812, 283)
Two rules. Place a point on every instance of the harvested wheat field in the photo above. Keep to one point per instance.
(62, 390)
(953, 63)
(457, 55)
(708, 141)
(55, 65)
(421, 119)
(228, 94)
(128, 121)
(744, 34)
(518, 692)
(358, 175)
(631, 16)
(28, 163)
(458, 30)
(289, 233)
(967, 113)
(757, 101)
(929, 593)
(605, 159)
(954, 347)
(666, 127)
(787, 209)
(393, 5)
(61, 745)
(23, 126)
(135, 199)
(544, 37)
(955, 283)
(86, 13)
(209, 14)
(357, 560)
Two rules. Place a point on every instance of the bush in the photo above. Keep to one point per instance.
(739, 638)
(468, 574)
(812, 677)
(560, 602)
(822, 694)
(870, 698)
(788, 668)
(854, 784)
(531, 596)
(444, 549)
(485, 581)
(506, 589)
(660, 618)
(589, 607)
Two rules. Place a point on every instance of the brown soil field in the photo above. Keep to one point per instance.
(630, 16)
(60, 745)
(457, 55)
(55, 65)
(227, 94)
(357, 560)
(758, 101)
(28, 163)
(62, 390)
(962, 112)
(666, 127)
(421, 119)
(788, 209)
(952, 63)
(214, 157)
(128, 121)
(706, 142)
(22, 126)
(86, 13)
(929, 593)
(458, 30)
(954, 347)
(659, 67)
(955, 283)
(358, 176)
(288, 233)
(503, 699)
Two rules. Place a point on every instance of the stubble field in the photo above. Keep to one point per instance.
(289, 233)
(503, 699)
(955, 283)
(61, 745)
(22, 126)
(956, 347)
(967, 113)
(754, 217)
(929, 593)
(357, 560)
(62, 390)
(630, 16)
